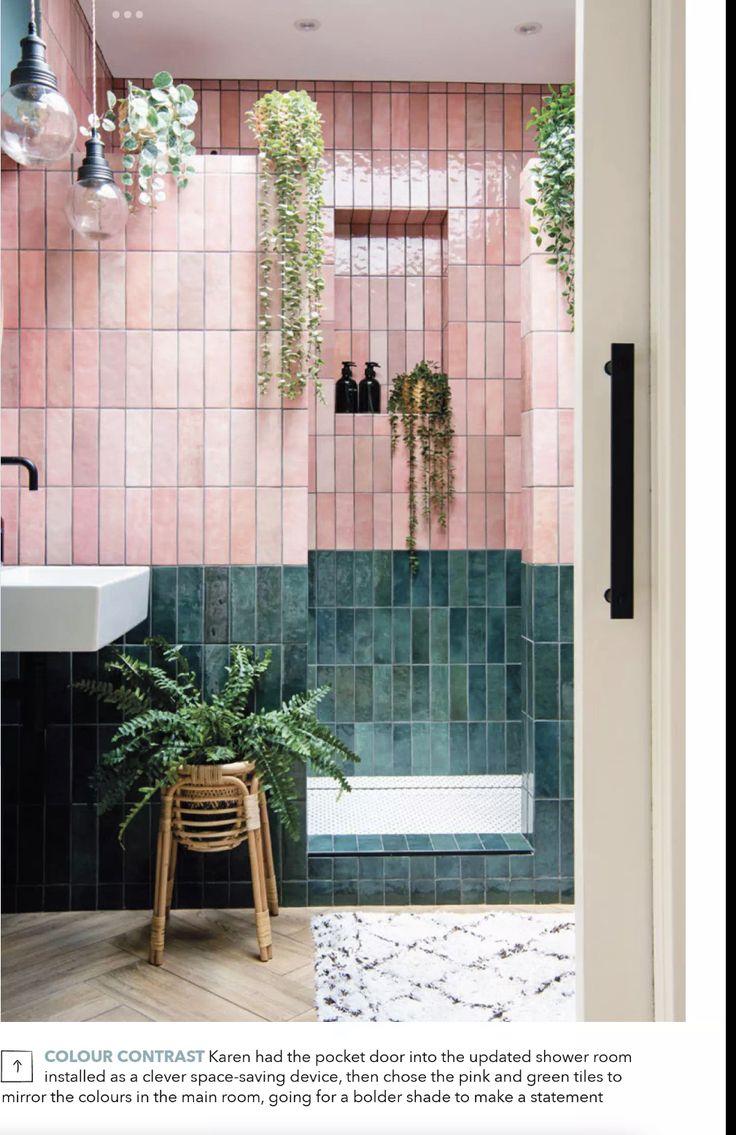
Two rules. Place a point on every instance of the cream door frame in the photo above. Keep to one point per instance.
(629, 753)
(668, 505)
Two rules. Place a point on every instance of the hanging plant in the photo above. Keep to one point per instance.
(156, 137)
(420, 413)
(553, 209)
(288, 127)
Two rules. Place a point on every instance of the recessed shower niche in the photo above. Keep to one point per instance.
(424, 669)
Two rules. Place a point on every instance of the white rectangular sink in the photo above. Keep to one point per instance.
(70, 608)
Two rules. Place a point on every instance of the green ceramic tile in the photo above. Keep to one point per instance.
(312, 636)
(566, 681)
(546, 599)
(567, 824)
(546, 891)
(326, 633)
(566, 760)
(458, 578)
(447, 866)
(402, 750)
(325, 579)
(439, 634)
(163, 603)
(371, 867)
(294, 612)
(515, 756)
(268, 693)
(546, 839)
(439, 739)
(397, 892)
(319, 867)
(216, 612)
(476, 693)
(320, 892)
(420, 741)
(420, 635)
(268, 604)
(443, 843)
(401, 580)
(383, 753)
(190, 600)
(566, 603)
(496, 747)
(477, 578)
(439, 693)
(370, 892)
(345, 892)
(344, 693)
(345, 843)
(363, 572)
(363, 642)
(546, 681)
(320, 843)
(402, 693)
(521, 891)
(458, 634)
(423, 892)
(448, 891)
(382, 634)
(363, 693)
(477, 748)
(458, 693)
(382, 693)
(419, 843)
(420, 693)
(496, 693)
(513, 634)
(394, 843)
(477, 647)
(496, 578)
(439, 581)
(344, 579)
(491, 842)
(473, 891)
(401, 626)
(547, 759)
(513, 578)
(420, 581)
(344, 635)
(369, 843)
(326, 708)
(458, 748)
(216, 658)
(496, 634)
(382, 579)
(513, 693)
(516, 842)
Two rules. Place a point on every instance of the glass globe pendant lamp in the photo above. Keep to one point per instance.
(95, 206)
(38, 125)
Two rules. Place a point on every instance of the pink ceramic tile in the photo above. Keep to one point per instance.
(400, 191)
(191, 526)
(544, 525)
(567, 526)
(112, 447)
(294, 524)
(325, 521)
(493, 122)
(399, 119)
(32, 368)
(382, 520)
(566, 369)
(32, 279)
(399, 519)
(512, 405)
(31, 528)
(164, 361)
(9, 223)
(346, 451)
(11, 288)
(191, 290)
(165, 223)
(10, 369)
(86, 368)
(137, 289)
(268, 448)
(58, 447)
(543, 378)
(243, 315)
(138, 231)
(58, 525)
(476, 464)
(345, 534)
(112, 288)
(495, 464)
(191, 447)
(217, 368)
(512, 125)
(512, 350)
(295, 427)
(165, 298)
(494, 394)
(437, 179)
(112, 368)
(243, 361)
(85, 447)
(381, 121)
(216, 526)
(494, 225)
(33, 208)
(456, 121)
(217, 447)
(112, 526)
(268, 526)
(138, 368)
(10, 499)
(85, 521)
(515, 521)
(242, 526)
(566, 428)
(476, 334)
(512, 460)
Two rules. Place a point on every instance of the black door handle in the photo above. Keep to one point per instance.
(621, 371)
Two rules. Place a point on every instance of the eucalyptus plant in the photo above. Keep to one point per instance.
(166, 723)
(420, 415)
(553, 209)
(288, 127)
(156, 137)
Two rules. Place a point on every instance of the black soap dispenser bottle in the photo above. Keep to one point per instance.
(346, 391)
(369, 391)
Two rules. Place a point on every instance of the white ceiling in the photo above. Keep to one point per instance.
(440, 40)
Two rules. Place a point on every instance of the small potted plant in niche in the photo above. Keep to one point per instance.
(168, 727)
(420, 414)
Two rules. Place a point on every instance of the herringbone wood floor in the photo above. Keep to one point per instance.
(93, 967)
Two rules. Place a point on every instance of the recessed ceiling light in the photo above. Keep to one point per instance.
(530, 28)
(116, 15)
(307, 25)
(139, 15)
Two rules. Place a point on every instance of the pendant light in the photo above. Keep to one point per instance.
(38, 125)
(95, 206)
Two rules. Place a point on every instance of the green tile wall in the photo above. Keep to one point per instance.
(426, 669)
(57, 853)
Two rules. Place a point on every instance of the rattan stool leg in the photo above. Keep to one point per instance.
(172, 873)
(272, 893)
(163, 856)
(260, 904)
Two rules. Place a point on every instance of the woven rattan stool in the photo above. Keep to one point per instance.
(215, 808)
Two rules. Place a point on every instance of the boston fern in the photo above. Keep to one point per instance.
(167, 723)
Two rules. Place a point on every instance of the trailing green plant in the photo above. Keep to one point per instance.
(156, 137)
(553, 209)
(288, 127)
(420, 414)
(166, 723)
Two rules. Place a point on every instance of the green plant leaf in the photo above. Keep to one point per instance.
(162, 79)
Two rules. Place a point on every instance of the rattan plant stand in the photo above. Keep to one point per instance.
(215, 808)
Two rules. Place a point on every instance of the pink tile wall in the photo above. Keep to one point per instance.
(129, 378)
(547, 419)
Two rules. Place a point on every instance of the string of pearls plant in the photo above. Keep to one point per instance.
(288, 127)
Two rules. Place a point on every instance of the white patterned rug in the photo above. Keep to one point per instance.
(442, 966)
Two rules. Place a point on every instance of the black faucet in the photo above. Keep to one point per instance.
(32, 485)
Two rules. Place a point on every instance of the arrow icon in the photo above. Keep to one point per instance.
(17, 1065)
